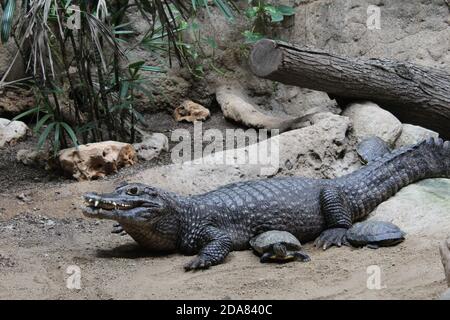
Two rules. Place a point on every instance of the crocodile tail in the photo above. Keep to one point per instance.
(441, 151)
(382, 178)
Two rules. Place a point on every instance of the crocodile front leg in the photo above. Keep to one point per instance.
(337, 216)
(216, 245)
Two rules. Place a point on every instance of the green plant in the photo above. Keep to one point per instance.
(83, 91)
(47, 122)
(262, 16)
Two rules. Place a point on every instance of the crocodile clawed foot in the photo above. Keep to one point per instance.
(117, 228)
(331, 237)
(197, 263)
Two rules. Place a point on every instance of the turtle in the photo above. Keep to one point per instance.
(372, 148)
(374, 234)
(278, 246)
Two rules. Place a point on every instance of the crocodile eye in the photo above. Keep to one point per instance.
(132, 191)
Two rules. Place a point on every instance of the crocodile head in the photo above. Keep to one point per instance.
(134, 203)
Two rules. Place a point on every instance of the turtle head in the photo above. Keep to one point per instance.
(279, 250)
(130, 202)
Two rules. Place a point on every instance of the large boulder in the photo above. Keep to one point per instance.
(11, 131)
(321, 150)
(370, 120)
(415, 31)
(445, 295)
(422, 208)
(96, 160)
(152, 146)
(413, 134)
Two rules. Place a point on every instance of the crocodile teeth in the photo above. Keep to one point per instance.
(96, 203)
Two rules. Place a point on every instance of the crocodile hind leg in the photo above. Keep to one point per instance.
(216, 246)
(337, 217)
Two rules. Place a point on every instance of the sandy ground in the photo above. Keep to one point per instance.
(45, 234)
(40, 239)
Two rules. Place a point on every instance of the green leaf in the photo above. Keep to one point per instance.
(26, 113)
(152, 69)
(225, 8)
(270, 9)
(252, 37)
(285, 10)
(124, 89)
(56, 146)
(7, 20)
(138, 116)
(71, 133)
(276, 16)
(44, 135)
(251, 12)
(41, 122)
(136, 65)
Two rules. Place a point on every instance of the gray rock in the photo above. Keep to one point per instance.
(369, 119)
(11, 131)
(419, 209)
(321, 150)
(32, 157)
(152, 146)
(7, 54)
(412, 134)
(415, 31)
(445, 295)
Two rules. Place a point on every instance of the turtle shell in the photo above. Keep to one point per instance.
(372, 148)
(381, 233)
(264, 241)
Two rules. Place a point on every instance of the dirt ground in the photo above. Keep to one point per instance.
(45, 233)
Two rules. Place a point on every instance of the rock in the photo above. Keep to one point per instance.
(96, 160)
(14, 102)
(414, 31)
(238, 106)
(152, 146)
(33, 158)
(445, 295)
(25, 197)
(7, 54)
(421, 208)
(370, 120)
(318, 151)
(444, 249)
(413, 134)
(11, 131)
(6, 262)
(190, 111)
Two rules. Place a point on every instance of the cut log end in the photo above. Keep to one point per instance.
(265, 58)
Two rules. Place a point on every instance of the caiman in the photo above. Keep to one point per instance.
(214, 223)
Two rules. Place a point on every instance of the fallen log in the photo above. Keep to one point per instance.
(413, 93)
